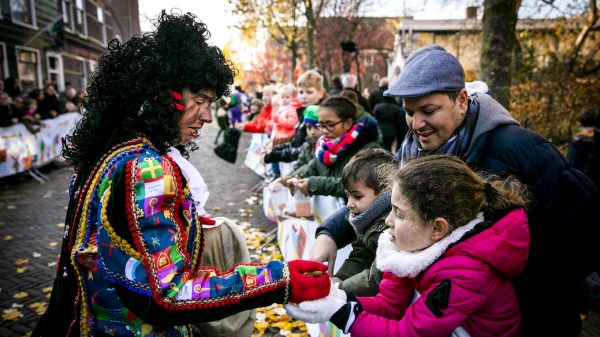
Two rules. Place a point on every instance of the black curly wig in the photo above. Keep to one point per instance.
(131, 85)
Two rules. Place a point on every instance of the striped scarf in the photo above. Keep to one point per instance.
(328, 151)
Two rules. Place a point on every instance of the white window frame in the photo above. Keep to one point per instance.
(103, 38)
(60, 71)
(67, 14)
(92, 65)
(38, 69)
(83, 17)
(4, 64)
(33, 24)
(85, 71)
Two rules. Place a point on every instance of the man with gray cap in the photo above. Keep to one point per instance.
(564, 217)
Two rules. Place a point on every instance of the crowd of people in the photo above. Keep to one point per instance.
(525, 191)
(472, 226)
(31, 108)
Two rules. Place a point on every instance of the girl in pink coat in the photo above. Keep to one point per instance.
(455, 241)
(285, 118)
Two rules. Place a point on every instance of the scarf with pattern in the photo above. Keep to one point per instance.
(456, 145)
(328, 151)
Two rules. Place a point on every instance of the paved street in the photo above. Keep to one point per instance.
(31, 228)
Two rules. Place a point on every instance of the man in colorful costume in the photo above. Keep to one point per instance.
(131, 253)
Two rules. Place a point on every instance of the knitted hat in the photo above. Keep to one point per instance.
(428, 70)
(311, 114)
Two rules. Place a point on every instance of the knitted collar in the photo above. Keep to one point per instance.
(328, 151)
(381, 205)
(410, 264)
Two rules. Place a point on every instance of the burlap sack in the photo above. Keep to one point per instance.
(225, 246)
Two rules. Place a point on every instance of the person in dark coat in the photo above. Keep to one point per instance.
(580, 146)
(565, 217)
(50, 106)
(12, 86)
(390, 120)
(336, 86)
(592, 164)
(7, 117)
(376, 96)
(350, 81)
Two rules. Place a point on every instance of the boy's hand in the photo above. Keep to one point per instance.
(302, 185)
(324, 250)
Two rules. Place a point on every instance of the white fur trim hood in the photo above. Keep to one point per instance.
(410, 264)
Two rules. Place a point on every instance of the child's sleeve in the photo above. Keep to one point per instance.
(365, 283)
(394, 297)
(469, 292)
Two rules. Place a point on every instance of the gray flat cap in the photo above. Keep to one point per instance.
(427, 70)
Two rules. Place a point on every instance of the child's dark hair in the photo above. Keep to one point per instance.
(444, 186)
(587, 118)
(343, 107)
(371, 166)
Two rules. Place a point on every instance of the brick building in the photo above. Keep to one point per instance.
(60, 40)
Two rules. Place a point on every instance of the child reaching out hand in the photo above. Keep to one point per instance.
(369, 204)
(455, 238)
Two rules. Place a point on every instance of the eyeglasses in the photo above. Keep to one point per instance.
(328, 126)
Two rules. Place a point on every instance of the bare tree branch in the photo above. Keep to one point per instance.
(591, 21)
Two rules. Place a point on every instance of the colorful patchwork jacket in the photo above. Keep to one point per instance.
(130, 260)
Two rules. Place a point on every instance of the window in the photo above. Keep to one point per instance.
(91, 67)
(55, 70)
(112, 29)
(80, 18)
(102, 26)
(3, 62)
(75, 71)
(67, 13)
(95, 23)
(28, 67)
(22, 13)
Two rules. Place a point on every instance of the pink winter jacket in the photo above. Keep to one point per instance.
(284, 122)
(481, 298)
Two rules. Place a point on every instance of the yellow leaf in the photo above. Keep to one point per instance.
(47, 290)
(11, 315)
(261, 327)
(299, 324)
(53, 244)
(282, 325)
(38, 307)
(11, 207)
(21, 261)
(20, 295)
(60, 225)
(7, 237)
(21, 270)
